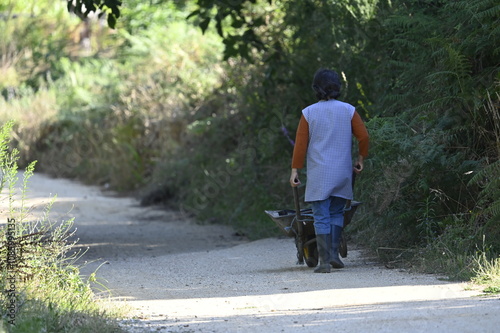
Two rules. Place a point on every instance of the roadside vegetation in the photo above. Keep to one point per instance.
(42, 288)
(153, 109)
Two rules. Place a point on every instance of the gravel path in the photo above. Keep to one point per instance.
(177, 276)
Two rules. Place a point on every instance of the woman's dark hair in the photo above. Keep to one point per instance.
(326, 84)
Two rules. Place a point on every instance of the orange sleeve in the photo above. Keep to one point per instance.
(301, 142)
(361, 134)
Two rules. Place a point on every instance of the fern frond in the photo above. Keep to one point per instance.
(433, 104)
(492, 189)
(458, 62)
(490, 172)
(406, 43)
(495, 32)
(436, 75)
(475, 7)
(494, 210)
(493, 12)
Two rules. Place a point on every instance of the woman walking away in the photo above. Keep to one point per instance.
(324, 136)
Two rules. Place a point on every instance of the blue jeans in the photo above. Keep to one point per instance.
(327, 213)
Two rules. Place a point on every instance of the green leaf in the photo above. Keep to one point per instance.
(194, 13)
(204, 24)
(218, 26)
(111, 21)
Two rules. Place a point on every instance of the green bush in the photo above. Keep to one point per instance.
(109, 117)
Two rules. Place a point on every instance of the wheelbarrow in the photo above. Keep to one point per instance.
(299, 224)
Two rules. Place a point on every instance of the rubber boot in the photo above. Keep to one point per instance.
(323, 241)
(334, 249)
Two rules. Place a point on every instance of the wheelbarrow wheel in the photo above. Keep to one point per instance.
(311, 255)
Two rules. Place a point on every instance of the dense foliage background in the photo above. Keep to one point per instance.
(204, 122)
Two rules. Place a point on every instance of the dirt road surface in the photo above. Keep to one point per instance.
(177, 276)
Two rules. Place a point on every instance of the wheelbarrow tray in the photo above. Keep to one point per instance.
(301, 228)
(285, 218)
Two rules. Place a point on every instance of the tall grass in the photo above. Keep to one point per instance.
(44, 291)
(487, 274)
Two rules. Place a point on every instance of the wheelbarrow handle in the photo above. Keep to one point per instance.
(299, 236)
(296, 201)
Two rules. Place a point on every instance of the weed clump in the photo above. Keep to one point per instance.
(43, 289)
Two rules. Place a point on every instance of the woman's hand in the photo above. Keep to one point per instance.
(358, 167)
(294, 178)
